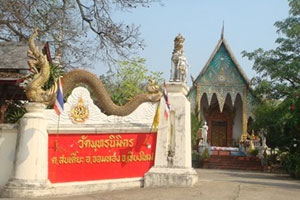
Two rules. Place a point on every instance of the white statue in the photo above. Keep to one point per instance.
(179, 62)
(204, 133)
(263, 140)
(174, 71)
(182, 68)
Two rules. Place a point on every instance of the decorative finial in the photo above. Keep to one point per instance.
(222, 33)
(178, 43)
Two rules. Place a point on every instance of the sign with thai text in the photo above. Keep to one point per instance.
(84, 157)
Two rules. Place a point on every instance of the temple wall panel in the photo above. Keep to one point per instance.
(237, 121)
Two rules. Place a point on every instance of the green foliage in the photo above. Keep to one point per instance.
(254, 152)
(267, 119)
(279, 68)
(196, 159)
(14, 112)
(291, 162)
(278, 116)
(272, 159)
(55, 72)
(205, 155)
(130, 79)
(195, 155)
(195, 126)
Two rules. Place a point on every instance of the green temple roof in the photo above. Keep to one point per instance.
(222, 75)
(222, 58)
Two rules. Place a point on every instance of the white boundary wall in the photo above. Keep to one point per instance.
(8, 139)
(29, 177)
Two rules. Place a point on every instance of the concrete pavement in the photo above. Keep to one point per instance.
(211, 185)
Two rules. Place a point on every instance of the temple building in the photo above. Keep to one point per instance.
(222, 97)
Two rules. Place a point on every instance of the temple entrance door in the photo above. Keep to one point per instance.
(219, 133)
(219, 126)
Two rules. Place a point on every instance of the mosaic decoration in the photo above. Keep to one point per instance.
(222, 70)
(221, 78)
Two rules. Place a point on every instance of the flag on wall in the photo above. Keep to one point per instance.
(59, 102)
(156, 118)
(165, 94)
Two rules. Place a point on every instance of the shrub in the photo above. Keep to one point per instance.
(205, 155)
(14, 112)
(254, 152)
(291, 163)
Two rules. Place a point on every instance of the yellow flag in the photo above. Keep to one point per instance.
(156, 118)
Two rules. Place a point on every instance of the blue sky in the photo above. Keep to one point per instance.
(248, 26)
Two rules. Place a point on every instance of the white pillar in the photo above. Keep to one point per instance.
(173, 158)
(30, 173)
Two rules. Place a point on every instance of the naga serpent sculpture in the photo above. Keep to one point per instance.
(35, 93)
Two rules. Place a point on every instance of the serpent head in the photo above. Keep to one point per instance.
(153, 91)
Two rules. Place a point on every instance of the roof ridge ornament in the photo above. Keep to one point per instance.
(222, 32)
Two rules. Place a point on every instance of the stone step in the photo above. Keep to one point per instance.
(236, 164)
(233, 162)
(214, 166)
(239, 158)
(257, 168)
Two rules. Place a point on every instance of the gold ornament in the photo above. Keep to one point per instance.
(79, 113)
(41, 69)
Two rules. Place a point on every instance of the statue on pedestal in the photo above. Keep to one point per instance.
(204, 133)
(179, 62)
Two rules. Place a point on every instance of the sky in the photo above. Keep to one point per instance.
(248, 25)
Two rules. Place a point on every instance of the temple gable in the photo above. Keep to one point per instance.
(222, 71)
(221, 76)
(222, 96)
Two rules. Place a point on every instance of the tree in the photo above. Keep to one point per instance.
(78, 30)
(130, 79)
(278, 84)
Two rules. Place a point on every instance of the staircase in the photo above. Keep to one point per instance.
(223, 160)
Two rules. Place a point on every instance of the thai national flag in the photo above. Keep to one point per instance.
(165, 94)
(59, 103)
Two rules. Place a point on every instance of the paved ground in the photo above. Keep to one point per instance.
(212, 184)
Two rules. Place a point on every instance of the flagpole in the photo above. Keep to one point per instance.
(57, 129)
(58, 107)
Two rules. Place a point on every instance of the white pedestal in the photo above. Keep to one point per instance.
(165, 176)
(173, 149)
(30, 173)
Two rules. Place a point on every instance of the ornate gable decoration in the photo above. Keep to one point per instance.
(222, 75)
(222, 71)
